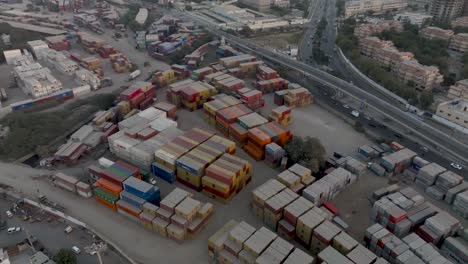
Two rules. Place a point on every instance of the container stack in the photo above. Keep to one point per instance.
(298, 97)
(272, 85)
(274, 154)
(226, 51)
(226, 177)
(181, 217)
(456, 248)
(281, 115)
(191, 166)
(174, 90)
(252, 98)
(139, 94)
(266, 73)
(91, 63)
(211, 108)
(120, 63)
(331, 255)
(249, 69)
(251, 120)
(170, 109)
(148, 214)
(166, 157)
(279, 97)
(227, 116)
(398, 161)
(106, 50)
(262, 193)
(291, 214)
(194, 95)
(410, 249)
(137, 192)
(164, 78)
(438, 227)
(329, 186)
(235, 61)
(428, 174)
(89, 42)
(274, 206)
(84, 190)
(229, 84)
(259, 137)
(199, 74)
(238, 134)
(65, 182)
(460, 204)
(323, 235)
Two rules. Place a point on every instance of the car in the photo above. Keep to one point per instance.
(424, 149)
(456, 166)
(398, 135)
(76, 250)
(369, 164)
(355, 113)
(372, 124)
(346, 106)
(153, 181)
(9, 214)
(13, 230)
(68, 229)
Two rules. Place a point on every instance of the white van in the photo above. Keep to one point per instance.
(68, 230)
(76, 250)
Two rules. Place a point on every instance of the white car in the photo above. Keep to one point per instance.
(456, 166)
(355, 113)
(346, 106)
(13, 230)
(9, 214)
(76, 250)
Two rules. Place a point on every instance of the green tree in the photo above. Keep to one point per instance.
(426, 99)
(307, 151)
(65, 256)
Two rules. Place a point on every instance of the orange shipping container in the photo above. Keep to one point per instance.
(109, 186)
(109, 205)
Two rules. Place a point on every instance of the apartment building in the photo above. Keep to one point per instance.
(370, 45)
(459, 90)
(417, 19)
(460, 22)
(391, 57)
(446, 10)
(436, 33)
(455, 111)
(359, 7)
(422, 76)
(282, 3)
(459, 42)
(367, 30)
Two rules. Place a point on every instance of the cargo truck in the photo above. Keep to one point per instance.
(134, 74)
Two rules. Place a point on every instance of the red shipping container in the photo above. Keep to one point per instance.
(135, 101)
(146, 103)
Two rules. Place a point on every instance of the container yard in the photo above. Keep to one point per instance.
(206, 135)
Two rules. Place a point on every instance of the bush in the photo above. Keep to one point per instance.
(65, 256)
(308, 152)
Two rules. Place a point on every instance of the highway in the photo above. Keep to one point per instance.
(427, 135)
(316, 10)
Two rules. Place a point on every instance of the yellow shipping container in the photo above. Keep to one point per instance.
(123, 107)
(215, 184)
(131, 113)
(219, 199)
(216, 241)
(189, 177)
(258, 210)
(159, 226)
(205, 210)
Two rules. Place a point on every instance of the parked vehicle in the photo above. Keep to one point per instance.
(68, 229)
(355, 113)
(456, 166)
(9, 214)
(13, 230)
(134, 74)
(76, 250)
(106, 82)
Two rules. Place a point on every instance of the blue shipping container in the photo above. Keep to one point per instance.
(138, 187)
(163, 173)
(132, 199)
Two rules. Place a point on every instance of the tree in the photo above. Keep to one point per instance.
(29, 7)
(308, 152)
(188, 8)
(65, 256)
(426, 99)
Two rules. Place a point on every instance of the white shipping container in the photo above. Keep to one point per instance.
(152, 114)
(81, 90)
(105, 162)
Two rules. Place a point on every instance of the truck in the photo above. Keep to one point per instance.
(133, 75)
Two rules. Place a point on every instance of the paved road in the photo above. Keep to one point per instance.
(53, 237)
(425, 133)
(316, 11)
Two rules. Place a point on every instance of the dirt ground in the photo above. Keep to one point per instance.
(279, 40)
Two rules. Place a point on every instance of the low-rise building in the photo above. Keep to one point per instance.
(459, 42)
(358, 7)
(259, 5)
(367, 30)
(423, 77)
(370, 45)
(455, 111)
(459, 90)
(417, 19)
(460, 22)
(391, 57)
(436, 33)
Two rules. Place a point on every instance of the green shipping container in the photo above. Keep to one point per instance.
(108, 197)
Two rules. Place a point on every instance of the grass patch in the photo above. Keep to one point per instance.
(32, 130)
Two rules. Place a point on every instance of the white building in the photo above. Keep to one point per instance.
(455, 111)
(417, 19)
(360, 7)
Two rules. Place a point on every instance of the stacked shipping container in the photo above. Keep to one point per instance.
(281, 114)
(259, 137)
